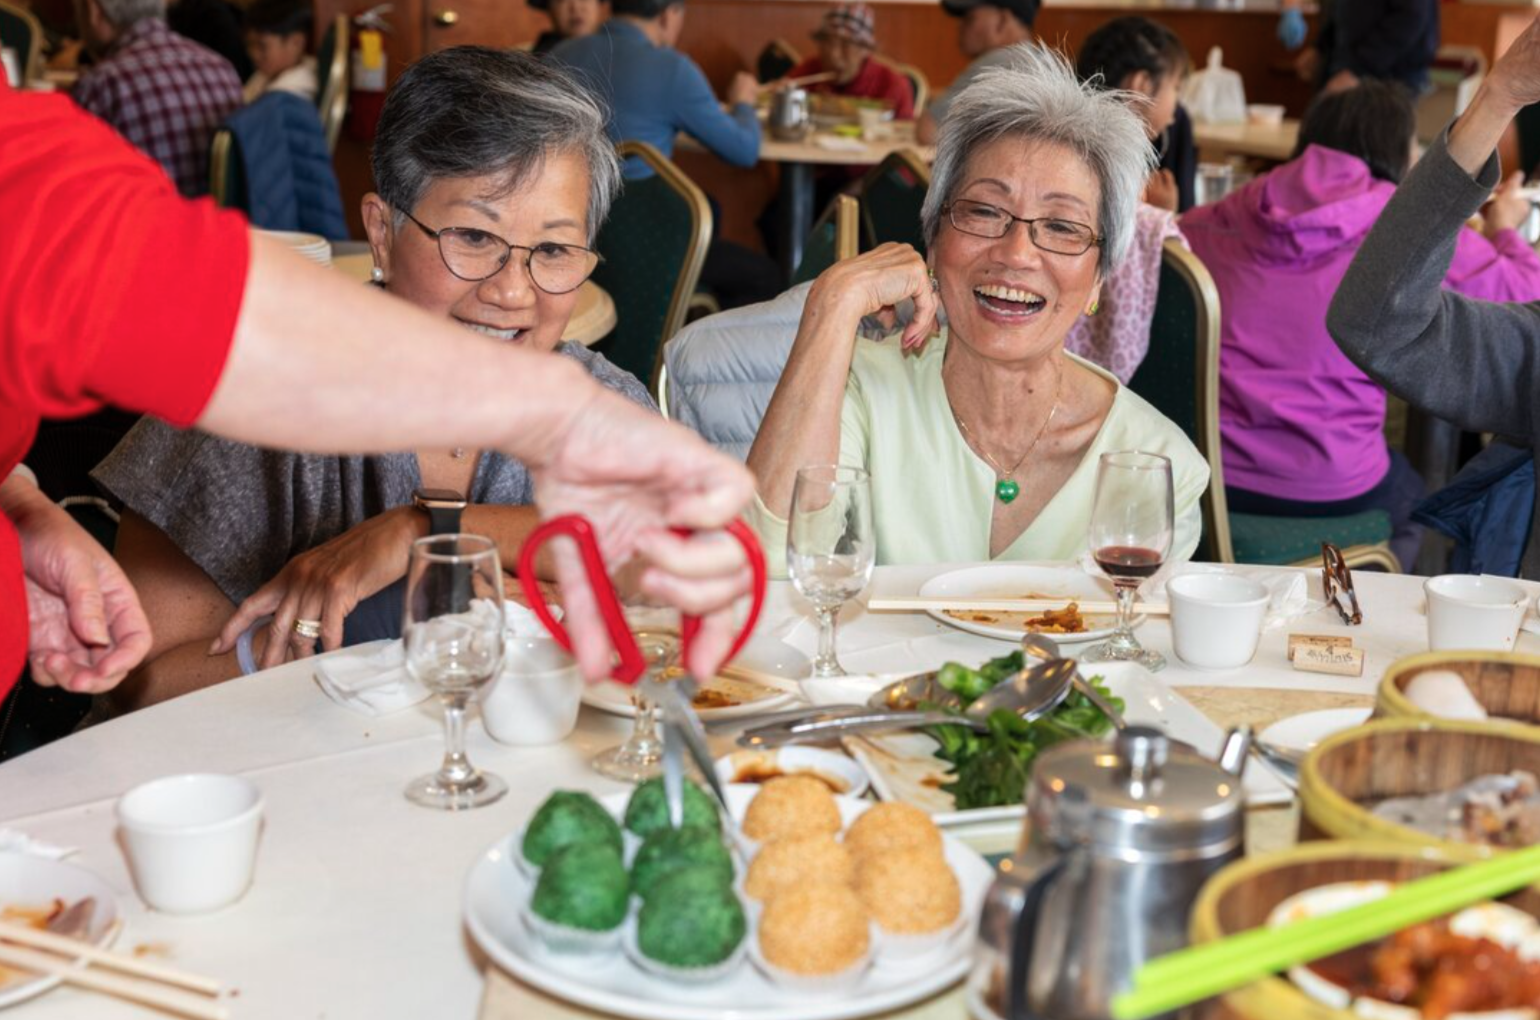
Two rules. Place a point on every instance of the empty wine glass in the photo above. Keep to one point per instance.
(1132, 522)
(831, 547)
(641, 756)
(453, 634)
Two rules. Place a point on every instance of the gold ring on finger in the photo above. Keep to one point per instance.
(308, 629)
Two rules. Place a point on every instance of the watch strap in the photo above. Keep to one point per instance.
(443, 520)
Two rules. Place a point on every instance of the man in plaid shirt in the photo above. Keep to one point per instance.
(164, 93)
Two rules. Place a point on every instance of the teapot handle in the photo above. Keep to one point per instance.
(1018, 998)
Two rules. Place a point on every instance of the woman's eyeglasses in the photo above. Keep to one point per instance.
(474, 255)
(1061, 237)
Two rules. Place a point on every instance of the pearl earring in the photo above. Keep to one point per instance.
(377, 274)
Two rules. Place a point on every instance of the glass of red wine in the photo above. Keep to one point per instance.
(1132, 522)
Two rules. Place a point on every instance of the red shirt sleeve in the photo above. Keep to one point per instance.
(113, 288)
(900, 93)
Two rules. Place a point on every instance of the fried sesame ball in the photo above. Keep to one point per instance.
(791, 806)
(893, 826)
(798, 859)
(909, 891)
(814, 928)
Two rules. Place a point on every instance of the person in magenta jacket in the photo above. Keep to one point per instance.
(1302, 427)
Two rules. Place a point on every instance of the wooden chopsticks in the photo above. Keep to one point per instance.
(152, 984)
(809, 79)
(915, 604)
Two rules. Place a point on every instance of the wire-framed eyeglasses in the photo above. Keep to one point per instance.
(1060, 237)
(473, 255)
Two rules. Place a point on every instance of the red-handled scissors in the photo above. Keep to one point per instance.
(632, 664)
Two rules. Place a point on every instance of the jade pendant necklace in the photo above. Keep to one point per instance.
(1006, 487)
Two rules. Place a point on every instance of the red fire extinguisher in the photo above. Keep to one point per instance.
(366, 83)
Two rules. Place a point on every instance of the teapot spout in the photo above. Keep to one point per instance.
(1232, 756)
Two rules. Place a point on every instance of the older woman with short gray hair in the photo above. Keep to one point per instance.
(983, 440)
(494, 174)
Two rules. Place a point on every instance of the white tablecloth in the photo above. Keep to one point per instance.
(355, 911)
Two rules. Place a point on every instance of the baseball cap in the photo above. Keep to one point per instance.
(855, 22)
(1025, 10)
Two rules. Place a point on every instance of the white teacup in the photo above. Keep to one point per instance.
(536, 696)
(1216, 619)
(1470, 612)
(191, 840)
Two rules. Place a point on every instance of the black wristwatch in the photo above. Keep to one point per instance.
(443, 507)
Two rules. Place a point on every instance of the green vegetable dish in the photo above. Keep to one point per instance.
(991, 769)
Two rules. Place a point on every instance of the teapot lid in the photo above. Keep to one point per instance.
(1143, 792)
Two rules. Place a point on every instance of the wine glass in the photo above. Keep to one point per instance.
(831, 547)
(641, 756)
(1132, 522)
(453, 634)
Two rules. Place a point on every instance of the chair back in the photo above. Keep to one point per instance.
(919, 85)
(653, 246)
(892, 193)
(1180, 377)
(775, 60)
(332, 73)
(227, 172)
(22, 32)
(836, 236)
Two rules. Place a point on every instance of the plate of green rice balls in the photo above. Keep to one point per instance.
(827, 907)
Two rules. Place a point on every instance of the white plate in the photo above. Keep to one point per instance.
(798, 759)
(775, 668)
(904, 767)
(1302, 732)
(1013, 580)
(35, 882)
(495, 889)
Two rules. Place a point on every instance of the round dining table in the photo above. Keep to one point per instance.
(356, 906)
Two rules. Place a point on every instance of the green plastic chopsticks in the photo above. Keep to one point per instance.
(1200, 972)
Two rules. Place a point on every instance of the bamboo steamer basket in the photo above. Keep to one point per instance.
(1241, 896)
(1401, 757)
(1506, 684)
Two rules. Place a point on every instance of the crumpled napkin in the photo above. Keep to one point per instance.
(373, 679)
(12, 841)
(1288, 590)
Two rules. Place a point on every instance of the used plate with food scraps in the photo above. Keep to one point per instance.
(1015, 580)
(32, 890)
(903, 766)
(762, 678)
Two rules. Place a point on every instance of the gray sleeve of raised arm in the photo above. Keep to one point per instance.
(1471, 362)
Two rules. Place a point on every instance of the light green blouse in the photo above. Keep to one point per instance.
(932, 496)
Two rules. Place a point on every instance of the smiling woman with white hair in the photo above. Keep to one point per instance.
(982, 441)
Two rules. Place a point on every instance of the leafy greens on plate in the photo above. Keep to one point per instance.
(991, 769)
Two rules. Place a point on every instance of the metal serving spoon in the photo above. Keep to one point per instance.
(1030, 694)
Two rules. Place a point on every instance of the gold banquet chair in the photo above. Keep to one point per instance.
(21, 31)
(919, 85)
(332, 68)
(653, 246)
(892, 194)
(1180, 377)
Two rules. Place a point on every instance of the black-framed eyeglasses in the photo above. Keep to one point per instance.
(1060, 237)
(1337, 580)
(473, 255)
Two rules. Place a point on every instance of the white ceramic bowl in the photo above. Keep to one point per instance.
(536, 696)
(1216, 619)
(1466, 611)
(845, 776)
(1267, 114)
(192, 840)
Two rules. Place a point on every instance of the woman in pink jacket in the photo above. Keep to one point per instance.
(1302, 426)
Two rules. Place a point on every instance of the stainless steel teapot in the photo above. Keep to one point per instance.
(790, 115)
(1118, 839)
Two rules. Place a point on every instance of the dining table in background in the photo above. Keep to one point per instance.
(356, 908)
(1271, 142)
(591, 321)
(799, 161)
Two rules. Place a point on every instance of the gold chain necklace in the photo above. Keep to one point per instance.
(1006, 488)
